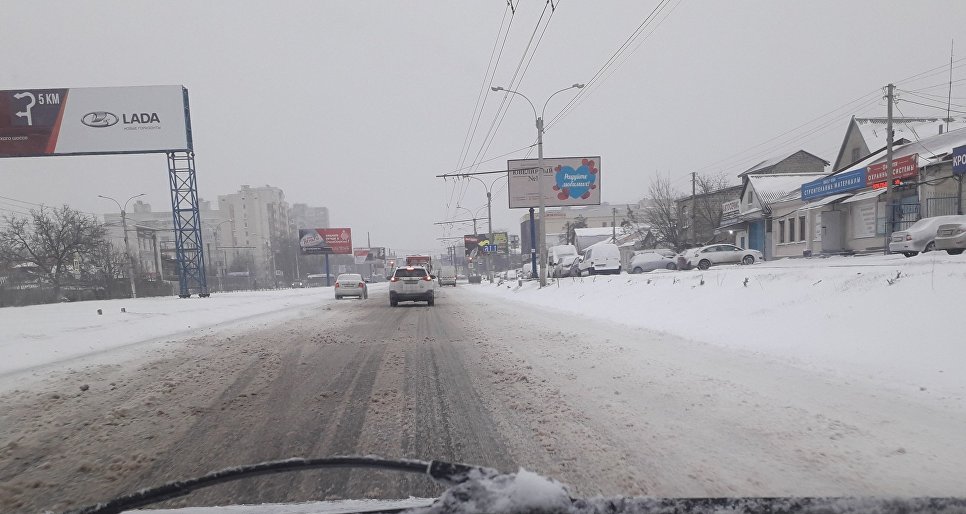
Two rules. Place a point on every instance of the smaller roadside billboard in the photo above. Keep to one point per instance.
(321, 241)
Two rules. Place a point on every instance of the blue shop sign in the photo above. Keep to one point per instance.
(836, 184)
(959, 160)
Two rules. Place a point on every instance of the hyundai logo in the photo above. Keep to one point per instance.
(99, 119)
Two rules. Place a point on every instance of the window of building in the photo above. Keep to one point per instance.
(749, 197)
(855, 154)
(801, 227)
(791, 230)
(781, 231)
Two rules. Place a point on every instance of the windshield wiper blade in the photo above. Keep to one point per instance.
(447, 473)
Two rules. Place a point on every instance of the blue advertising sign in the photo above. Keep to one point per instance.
(836, 184)
(959, 160)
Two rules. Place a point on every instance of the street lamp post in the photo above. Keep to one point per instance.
(127, 244)
(541, 233)
(489, 218)
(224, 264)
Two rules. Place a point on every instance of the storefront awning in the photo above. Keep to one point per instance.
(865, 195)
(825, 201)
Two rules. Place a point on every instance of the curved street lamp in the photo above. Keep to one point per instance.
(541, 236)
(127, 245)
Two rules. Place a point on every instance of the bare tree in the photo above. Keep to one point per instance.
(662, 214)
(707, 208)
(570, 229)
(50, 239)
(106, 265)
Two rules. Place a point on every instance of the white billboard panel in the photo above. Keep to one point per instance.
(566, 181)
(101, 120)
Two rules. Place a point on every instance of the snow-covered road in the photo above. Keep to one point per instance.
(797, 384)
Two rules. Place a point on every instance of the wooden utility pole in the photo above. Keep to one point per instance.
(691, 231)
(890, 209)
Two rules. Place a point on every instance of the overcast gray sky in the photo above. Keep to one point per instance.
(357, 105)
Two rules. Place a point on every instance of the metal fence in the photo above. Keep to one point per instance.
(941, 206)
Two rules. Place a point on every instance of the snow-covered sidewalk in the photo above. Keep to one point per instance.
(888, 319)
(44, 334)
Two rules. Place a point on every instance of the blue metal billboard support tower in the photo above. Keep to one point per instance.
(187, 225)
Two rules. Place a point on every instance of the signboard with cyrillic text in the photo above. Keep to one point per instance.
(326, 240)
(566, 181)
(959, 160)
(906, 166)
(835, 184)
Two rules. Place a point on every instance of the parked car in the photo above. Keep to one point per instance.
(555, 254)
(298, 284)
(412, 284)
(350, 284)
(951, 237)
(706, 256)
(600, 258)
(921, 236)
(565, 268)
(649, 261)
(511, 274)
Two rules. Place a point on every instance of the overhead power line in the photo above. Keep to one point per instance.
(617, 55)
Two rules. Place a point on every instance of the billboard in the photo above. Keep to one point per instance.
(361, 255)
(566, 181)
(96, 120)
(321, 241)
(377, 253)
(479, 244)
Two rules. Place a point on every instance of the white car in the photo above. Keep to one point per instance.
(600, 258)
(706, 256)
(556, 255)
(411, 284)
(951, 237)
(921, 236)
(350, 284)
(650, 261)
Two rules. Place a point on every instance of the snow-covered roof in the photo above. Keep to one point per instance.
(768, 163)
(594, 231)
(772, 188)
(873, 130)
(931, 150)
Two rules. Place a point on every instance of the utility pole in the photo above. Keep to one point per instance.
(890, 210)
(489, 237)
(130, 257)
(691, 236)
(127, 244)
(613, 225)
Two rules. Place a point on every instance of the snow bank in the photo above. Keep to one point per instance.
(43, 334)
(886, 318)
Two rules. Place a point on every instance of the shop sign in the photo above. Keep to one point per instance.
(903, 167)
(959, 160)
(836, 184)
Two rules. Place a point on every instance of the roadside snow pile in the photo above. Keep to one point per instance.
(42, 334)
(882, 317)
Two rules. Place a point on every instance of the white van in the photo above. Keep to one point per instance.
(447, 276)
(601, 258)
(555, 255)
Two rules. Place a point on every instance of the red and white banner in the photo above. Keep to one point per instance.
(97, 120)
(361, 255)
(326, 240)
(903, 167)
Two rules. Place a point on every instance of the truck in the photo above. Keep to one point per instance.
(420, 260)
